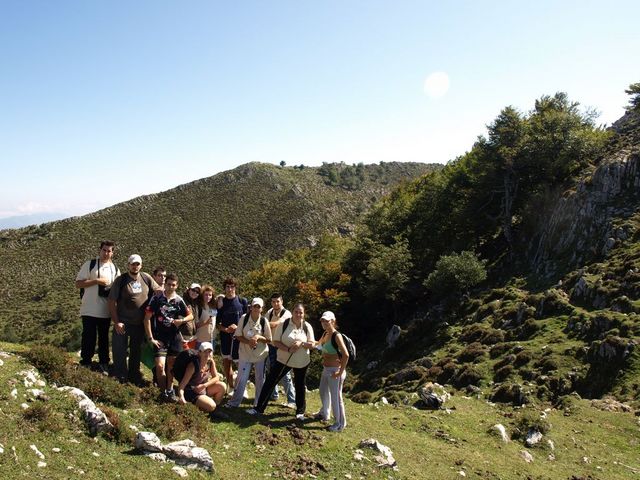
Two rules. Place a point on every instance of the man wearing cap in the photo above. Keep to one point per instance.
(230, 309)
(163, 317)
(253, 335)
(128, 298)
(94, 279)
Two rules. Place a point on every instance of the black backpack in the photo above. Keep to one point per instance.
(351, 347)
(92, 264)
(262, 321)
(286, 324)
(183, 360)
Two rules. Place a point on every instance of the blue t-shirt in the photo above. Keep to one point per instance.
(231, 311)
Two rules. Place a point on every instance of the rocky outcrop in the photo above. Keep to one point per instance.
(580, 226)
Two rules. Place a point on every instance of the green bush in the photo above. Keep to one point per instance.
(456, 273)
(175, 421)
(51, 361)
(100, 388)
(529, 420)
(40, 415)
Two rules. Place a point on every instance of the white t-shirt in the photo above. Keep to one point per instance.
(301, 357)
(94, 305)
(204, 333)
(248, 331)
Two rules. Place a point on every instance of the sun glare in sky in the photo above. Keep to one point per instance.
(437, 84)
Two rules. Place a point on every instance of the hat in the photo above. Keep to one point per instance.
(257, 301)
(328, 315)
(193, 286)
(205, 346)
(135, 258)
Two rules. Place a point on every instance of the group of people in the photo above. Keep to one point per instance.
(147, 308)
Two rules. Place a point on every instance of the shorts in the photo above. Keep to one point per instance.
(229, 346)
(172, 346)
(190, 395)
(191, 344)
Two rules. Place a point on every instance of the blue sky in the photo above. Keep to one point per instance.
(142, 96)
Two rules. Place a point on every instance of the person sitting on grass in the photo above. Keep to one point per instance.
(201, 384)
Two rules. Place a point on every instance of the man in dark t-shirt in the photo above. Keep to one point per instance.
(163, 317)
(230, 309)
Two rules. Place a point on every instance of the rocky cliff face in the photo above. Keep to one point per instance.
(587, 222)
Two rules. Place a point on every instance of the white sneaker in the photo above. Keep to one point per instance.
(289, 405)
(300, 416)
(252, 411)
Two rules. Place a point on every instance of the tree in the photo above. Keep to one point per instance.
(456, 273)
(282, 163)
(634, 101)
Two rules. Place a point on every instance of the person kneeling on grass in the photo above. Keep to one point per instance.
(201, 384)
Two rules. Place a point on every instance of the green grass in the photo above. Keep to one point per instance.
(426, 444)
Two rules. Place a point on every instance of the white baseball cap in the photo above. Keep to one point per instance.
(328, 315)
(257, 301)
(135, 258)
(205, 346)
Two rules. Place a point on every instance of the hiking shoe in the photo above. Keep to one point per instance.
(231, 405)
(289, 404)
(335, 428)
(319, 416)
(300, 417)
(218, 415)
(163, 397)
(103, 368)
(171, 396)
(252, 411)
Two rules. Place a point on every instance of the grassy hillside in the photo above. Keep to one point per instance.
(213, 227)
(586, 442)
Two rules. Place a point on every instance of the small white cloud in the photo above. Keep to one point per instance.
(436, 84)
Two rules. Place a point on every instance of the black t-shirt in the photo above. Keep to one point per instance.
(165, 310)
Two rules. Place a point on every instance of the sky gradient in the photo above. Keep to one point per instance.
(103, 101)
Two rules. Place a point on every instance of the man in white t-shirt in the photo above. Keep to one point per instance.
(94, 280)
(276, 315)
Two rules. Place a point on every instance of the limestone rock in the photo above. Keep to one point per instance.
(533, 438)
(386, 458)
(433, 395)
(526, 456)
(183, 452)
(95, 418)
(501, 431)
(180, 471)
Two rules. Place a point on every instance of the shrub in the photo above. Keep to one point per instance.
(499, 349)
(448, 370)
(175, 421)
(508, 360)
(362, 397)
(481, 333)
(120, 433)
(547, 364)
(472, 352)
(456, 273)
(529, 420)
(523, 358)
(51, 361)
(467, 375)
(502, 373)
(100, 388)
(40, 415)
(509, 393)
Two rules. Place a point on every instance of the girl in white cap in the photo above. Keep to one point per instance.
(201, 384)
(335, 357)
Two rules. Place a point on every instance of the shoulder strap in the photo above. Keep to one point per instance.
(92, 265)
(284, 327)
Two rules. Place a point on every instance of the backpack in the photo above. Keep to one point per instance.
(183, 360)
(262, 321)
(286, 324)
(351, 348)
(92, 264)
(282, 312)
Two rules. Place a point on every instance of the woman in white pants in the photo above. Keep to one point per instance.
(254, 334)
(335, 362)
